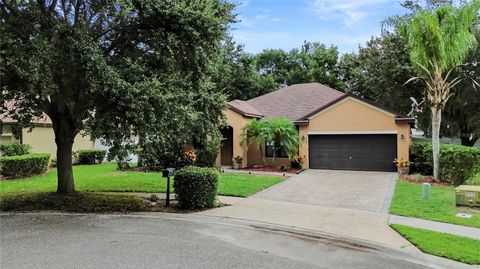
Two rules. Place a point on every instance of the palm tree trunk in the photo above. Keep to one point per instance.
(436, 121)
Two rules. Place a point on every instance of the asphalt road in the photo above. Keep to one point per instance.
(116, 241)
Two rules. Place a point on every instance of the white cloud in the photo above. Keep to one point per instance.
(350, 11)
(250, 22)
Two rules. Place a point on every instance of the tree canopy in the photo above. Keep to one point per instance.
(111, 69)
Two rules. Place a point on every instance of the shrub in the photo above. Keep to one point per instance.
(207, 155)
(89, 156)
(24, 165)
(14, 149)
(457, 163)
(297, 162)
(196, 187)
(421, 158)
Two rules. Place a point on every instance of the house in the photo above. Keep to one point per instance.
(337, 130)
(41, 137)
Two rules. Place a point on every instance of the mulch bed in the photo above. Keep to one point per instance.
(423, 179)
(271, 169)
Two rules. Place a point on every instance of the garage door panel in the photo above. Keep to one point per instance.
(371, 152)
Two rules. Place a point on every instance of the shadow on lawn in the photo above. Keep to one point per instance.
(87, 202)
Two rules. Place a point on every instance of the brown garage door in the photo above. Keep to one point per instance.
(366, 152)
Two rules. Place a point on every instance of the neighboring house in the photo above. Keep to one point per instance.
(337, 130)
(41, 137)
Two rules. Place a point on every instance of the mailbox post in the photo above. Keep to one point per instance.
(168, 173)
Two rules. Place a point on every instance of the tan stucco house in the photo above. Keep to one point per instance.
(337, 130)
(41, 137)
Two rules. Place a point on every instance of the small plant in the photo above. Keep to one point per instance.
(237, 162)
(187, 159)
(297, 162)
(153, 198)
(401, 163)
(402, 166)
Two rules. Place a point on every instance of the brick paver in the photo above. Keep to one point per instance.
(370, 191)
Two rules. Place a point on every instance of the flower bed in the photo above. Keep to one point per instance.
(272, 169)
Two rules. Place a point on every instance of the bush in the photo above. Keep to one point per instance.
(24, 165)
(196, 187)
(207, 155)
(421, 158)
(457, 163)
(91, 156)
(14, 149)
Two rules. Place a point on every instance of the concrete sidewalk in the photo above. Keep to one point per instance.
(363, 225)
(442, 227)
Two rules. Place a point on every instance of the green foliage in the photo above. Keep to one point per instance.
(91, 156)
(454, 247)
(122, 60)
(233, 72)
(196, 187)
(24, 165)
(314, 62)
(458, 163)
(441, 38)
(14, 149)
(421, 158)
(254, 132)
(207, 154)
(280, 132)
(283, 135)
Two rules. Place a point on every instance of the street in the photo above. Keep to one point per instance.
(126, 241)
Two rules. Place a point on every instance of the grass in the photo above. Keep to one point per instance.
(450, 246)
(475, 180)
(407, 201)
(105, 178)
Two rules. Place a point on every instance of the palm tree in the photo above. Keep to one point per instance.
(255, 132)
(282, 134)
(439, 42)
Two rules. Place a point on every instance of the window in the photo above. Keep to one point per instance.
(269, 148)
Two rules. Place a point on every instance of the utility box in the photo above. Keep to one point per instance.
(467, 195)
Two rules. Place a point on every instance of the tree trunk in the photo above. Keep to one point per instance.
(436, 121)
(64, 138)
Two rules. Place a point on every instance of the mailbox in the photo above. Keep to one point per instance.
(168, 172)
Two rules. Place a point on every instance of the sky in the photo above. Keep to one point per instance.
(286, 24)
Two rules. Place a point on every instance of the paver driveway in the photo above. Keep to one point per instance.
(371, 191)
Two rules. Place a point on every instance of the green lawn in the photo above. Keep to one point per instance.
(407, 201)
(450, 246)
(105, 178)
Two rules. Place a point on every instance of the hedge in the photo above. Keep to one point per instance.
(91, 156)
(196, 187)
(457, 163)
(14, 149)
(24, 165)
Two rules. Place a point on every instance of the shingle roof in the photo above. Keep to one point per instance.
(244, 108)
(295, 101)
